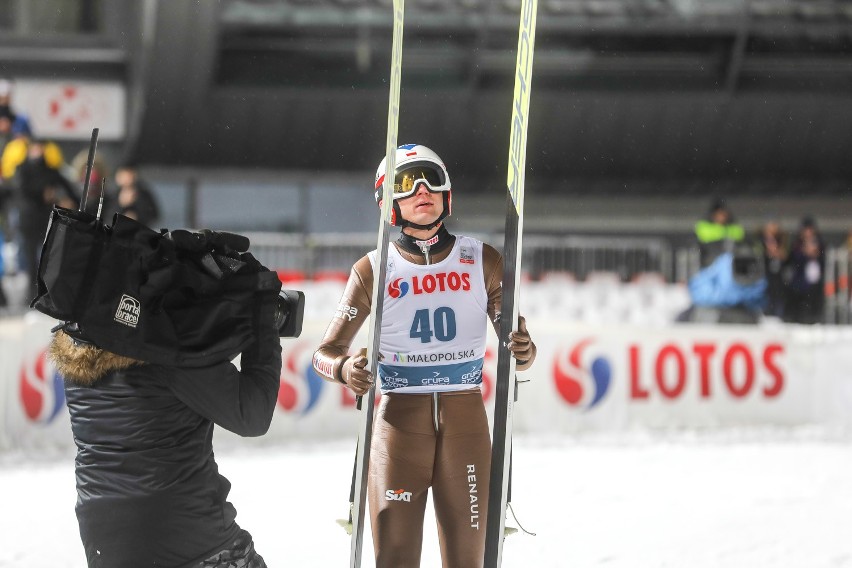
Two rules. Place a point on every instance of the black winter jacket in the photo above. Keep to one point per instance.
(149, 490)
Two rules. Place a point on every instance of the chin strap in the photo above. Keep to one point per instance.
(403, 223)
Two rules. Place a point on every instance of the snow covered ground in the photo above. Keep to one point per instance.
(742, 499)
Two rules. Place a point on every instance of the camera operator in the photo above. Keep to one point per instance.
(149, 490)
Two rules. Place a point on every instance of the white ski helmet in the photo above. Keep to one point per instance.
(415, 165)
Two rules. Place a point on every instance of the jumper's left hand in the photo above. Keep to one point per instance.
(521, 345)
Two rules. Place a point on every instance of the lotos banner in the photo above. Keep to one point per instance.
(585, 379)
(681, 376)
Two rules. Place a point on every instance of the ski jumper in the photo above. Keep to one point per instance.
(432, 341)
(430, 429)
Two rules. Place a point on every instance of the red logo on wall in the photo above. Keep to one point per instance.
(69, 108)
(41, 391)
(737, 362)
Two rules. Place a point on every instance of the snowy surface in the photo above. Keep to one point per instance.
(751, 500)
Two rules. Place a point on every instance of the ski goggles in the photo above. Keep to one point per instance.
(407, 181)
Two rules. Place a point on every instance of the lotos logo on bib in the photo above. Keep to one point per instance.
(441, 282)
(398, 288)
(430, 283)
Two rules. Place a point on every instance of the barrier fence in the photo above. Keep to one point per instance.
(838, 302)
(329, 256)
(587, 378)
(312, 256)
(579, 258)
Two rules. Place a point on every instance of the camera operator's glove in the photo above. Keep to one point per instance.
(355, 376)
(521, 345)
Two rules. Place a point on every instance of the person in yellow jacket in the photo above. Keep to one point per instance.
(15, 153)
(38, 187)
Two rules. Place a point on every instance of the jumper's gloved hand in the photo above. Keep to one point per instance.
(521, 345)
(355, 376)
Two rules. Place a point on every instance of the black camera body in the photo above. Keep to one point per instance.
(177, 298)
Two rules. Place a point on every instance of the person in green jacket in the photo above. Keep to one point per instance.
(717, 231)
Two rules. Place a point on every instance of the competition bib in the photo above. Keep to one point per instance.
(435, 321)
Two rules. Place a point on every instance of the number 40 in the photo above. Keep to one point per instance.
(443, 322)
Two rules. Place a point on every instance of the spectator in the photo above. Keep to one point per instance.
(805, 276)
(717, 232)
(847, 277)
(134, 198)
(5, 93)
(730, 285)
(6, 119)
(5, 137)
(3, 300)
(848, 243)
(149, 492)
(39, 187)
(19, 122)
(15, 153)
(97, 178)
(773, 244)
(15, 133)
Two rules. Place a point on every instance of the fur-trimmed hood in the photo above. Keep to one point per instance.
(84, 364)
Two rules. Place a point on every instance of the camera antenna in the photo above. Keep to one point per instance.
(89, 163)
(101, 199)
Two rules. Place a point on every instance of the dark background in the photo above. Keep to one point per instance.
(636, 104)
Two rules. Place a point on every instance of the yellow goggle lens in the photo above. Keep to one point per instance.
(405, 180)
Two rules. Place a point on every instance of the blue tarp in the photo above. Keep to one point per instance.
(715, 286)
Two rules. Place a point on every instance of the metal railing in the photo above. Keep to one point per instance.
(838, 309)
(330, 255)
(628, 258)
(310, 255)
(579, 257)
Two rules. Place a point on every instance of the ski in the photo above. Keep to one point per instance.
(367, 402)
(506, 382)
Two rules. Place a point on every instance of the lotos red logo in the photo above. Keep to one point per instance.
(398, 288)
(580, 384)
(441, 282)
(737, 368)
(41, 391)
(430, 283)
